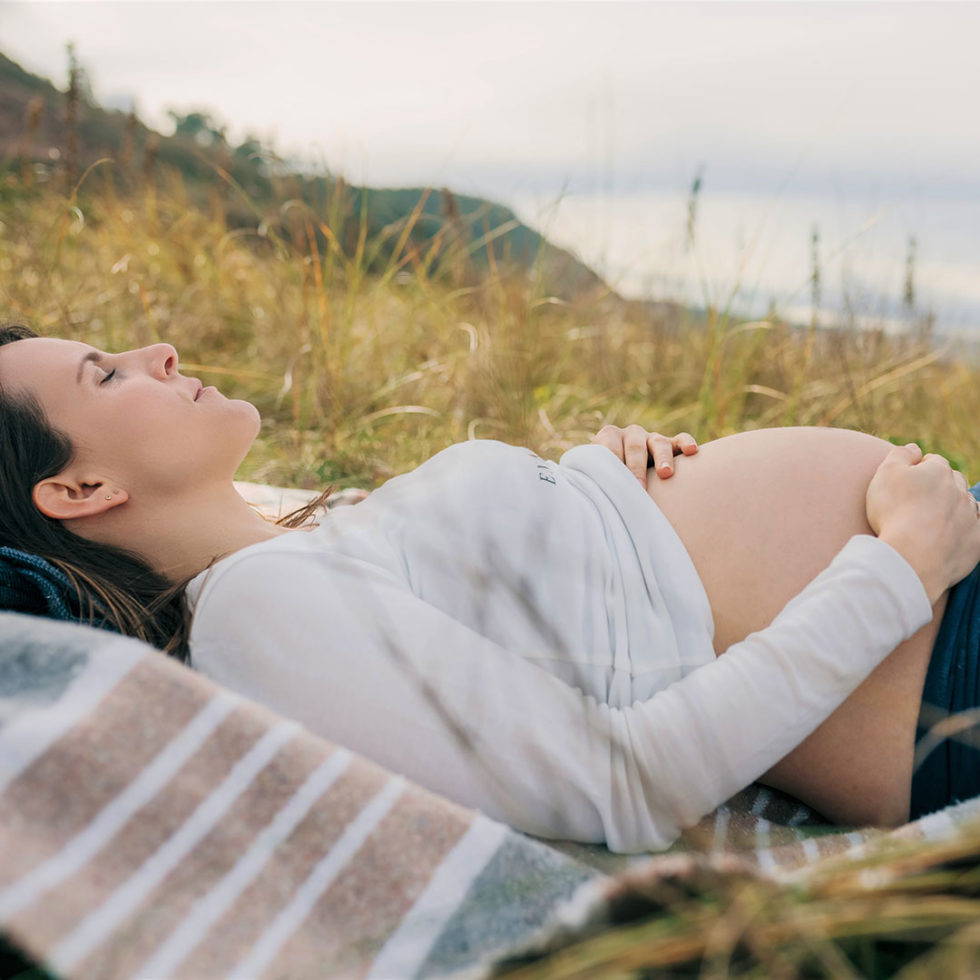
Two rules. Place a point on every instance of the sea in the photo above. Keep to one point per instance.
(861, 259)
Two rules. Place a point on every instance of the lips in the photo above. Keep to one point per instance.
(200, 388)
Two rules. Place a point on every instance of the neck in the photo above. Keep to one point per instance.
(182, 535)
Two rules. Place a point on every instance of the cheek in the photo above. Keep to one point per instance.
(213, 437)
(142, 428)
(156, 436)
(140, 436)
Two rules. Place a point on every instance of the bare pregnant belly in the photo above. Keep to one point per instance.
(761, 514)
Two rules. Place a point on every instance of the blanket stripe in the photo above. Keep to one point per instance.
(82, 848)
(212, 906)
(410, 943)
(28, 736)
(287, 921)
(94, 928)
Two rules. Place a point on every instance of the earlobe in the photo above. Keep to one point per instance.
(63, 499)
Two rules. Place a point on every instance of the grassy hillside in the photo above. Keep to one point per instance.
(48, 134)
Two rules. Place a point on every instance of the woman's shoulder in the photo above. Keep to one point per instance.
(252, 569)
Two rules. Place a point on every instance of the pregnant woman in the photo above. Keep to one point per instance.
(554, 643)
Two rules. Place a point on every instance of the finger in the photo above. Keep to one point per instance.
(635, 451)
(662, 451)
(611, 436)
(685, 443)
(601, 436)
(906, 455)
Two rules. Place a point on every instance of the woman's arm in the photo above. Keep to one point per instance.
(352, 654)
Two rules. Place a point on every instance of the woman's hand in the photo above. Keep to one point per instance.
(636, 448)
(922, 508)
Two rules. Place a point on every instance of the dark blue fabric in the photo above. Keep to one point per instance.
(950, 770)
(30, 584)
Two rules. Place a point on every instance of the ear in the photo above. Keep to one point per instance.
(65, 499)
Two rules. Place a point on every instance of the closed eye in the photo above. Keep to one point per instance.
(108, 377)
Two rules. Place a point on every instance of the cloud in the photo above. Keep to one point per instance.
(630, 94)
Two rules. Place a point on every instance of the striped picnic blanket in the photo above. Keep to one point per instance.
(153, 824)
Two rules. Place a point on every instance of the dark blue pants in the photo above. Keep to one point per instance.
(947, 761)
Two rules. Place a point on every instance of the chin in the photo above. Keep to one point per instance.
(235, 430)
(248, 413)
(253, 423)
(251, 411)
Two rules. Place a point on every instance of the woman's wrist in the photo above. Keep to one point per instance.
(924, 561)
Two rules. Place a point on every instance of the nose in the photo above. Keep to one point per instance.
(161, 360)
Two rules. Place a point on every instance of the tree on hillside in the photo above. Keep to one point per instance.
(200, 127)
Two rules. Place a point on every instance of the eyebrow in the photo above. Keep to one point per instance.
(94, 356)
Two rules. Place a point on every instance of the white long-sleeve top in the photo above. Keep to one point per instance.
(531, 639)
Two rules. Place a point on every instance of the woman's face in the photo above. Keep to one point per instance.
(132, 419)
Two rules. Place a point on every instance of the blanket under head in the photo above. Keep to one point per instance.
(153, 824)
(30, 584)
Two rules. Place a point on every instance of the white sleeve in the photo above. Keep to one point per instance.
(362, 661)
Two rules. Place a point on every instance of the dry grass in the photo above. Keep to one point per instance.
(908, 910)
(359, 377)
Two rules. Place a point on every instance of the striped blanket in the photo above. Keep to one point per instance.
(153, 824)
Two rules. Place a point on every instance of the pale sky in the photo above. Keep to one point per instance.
(521, 98)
